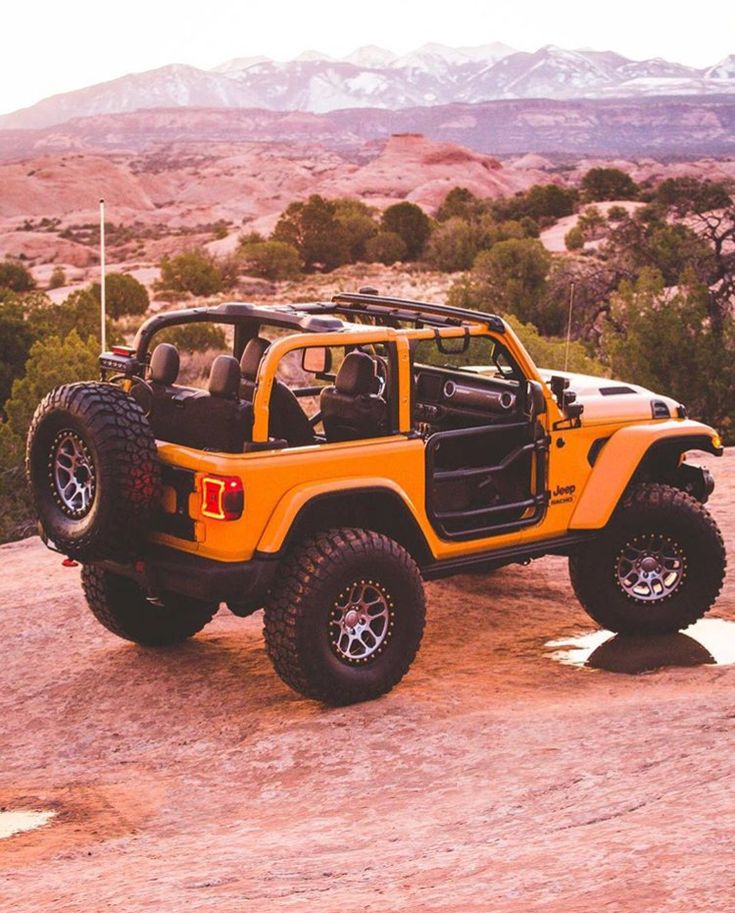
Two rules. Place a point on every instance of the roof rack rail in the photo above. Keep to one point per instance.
(451, 315)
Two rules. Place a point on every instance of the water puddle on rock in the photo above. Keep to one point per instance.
(12, 823)
(710, 641)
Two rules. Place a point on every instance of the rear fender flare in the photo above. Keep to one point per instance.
(297, 502)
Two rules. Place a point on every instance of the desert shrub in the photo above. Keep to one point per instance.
(460, 203)
(16, 518)
(453, 246)
(411, 223)
(274, 260)
(16, 339)
(592, 223)
(386, 247)
(512, 275)
(574, 238)
(123, 295)
(193, 337)
(52, 361)
(552, 352)
(664, 340)
(193, 271)
(57, 278)
(609, 184)
(15, 276)
(358, 225)
(315, 231)
(80, 311)
(547, 202)
(617, 214)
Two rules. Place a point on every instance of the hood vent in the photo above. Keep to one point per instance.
(659, 409)
(615, 391)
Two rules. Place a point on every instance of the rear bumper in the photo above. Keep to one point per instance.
(168, 570)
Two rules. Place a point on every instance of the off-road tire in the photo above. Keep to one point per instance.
(120, 605)
(112, 430)
(300, 609)
(651, 509)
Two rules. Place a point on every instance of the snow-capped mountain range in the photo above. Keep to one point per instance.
(373, 77)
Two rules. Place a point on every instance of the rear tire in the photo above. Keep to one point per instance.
(345, 619)
(120, 605)
(657, 567)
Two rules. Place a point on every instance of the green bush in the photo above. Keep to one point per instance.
(57, 278)
(552, 352)
(274, 260)
(460, 203)
(386, 247)
(358, 225)
(315, 231)
(410, 222)
(662, 339)
(609, 184)
(80, 311)
(193, 337)
(574, 238)
(52, 361)
(514, 275)
(15, 277)
(123, 295)
(453, 246)
(547, 202)
(617, 214)
(16, 339)
(193, 271)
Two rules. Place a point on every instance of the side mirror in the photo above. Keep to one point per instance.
(536, 398)
(566, 398)
(316, 360)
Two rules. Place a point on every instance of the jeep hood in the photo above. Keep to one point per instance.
(607, 400)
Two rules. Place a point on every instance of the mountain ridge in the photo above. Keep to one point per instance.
(373, 77)
(692, 126)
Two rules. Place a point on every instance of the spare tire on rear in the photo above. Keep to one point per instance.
(93, 468)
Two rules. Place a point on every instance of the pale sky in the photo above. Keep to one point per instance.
(53, 46)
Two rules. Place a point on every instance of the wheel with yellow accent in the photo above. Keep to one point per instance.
(657, 567)
(345, 619)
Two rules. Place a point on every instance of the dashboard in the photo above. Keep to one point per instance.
(446, 399)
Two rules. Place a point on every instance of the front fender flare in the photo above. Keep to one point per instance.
(621, 457)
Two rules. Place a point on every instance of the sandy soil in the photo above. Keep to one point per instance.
(492, 779)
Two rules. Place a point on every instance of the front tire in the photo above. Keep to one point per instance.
(121, 606)
(345, 619)
(657, 567)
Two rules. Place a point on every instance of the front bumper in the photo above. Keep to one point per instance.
(168, 570)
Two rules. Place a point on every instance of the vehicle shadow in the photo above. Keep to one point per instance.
(635, 654)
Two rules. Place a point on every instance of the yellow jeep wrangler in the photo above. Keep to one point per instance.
(345, 451)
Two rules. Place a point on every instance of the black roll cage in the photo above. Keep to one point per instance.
(314, 317)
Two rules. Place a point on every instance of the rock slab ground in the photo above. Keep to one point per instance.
(492, 779)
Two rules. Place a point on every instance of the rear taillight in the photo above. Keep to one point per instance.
(223, 497)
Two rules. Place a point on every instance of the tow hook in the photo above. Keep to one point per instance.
(69, 562)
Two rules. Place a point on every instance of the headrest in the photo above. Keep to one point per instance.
(224, 377)
(356, 375)
(164, 364)
(252, 355)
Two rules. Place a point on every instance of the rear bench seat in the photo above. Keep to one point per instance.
(215, 420)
